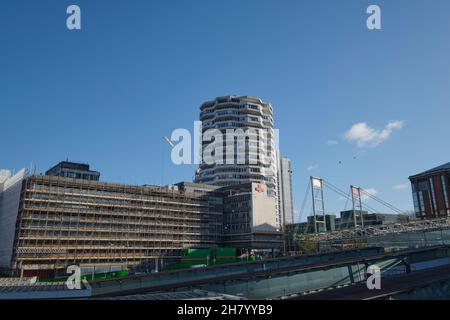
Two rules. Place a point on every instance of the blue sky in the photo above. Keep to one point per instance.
(139, 69)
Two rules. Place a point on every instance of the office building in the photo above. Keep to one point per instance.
(50, 222)
(248, 218)
(346, 220)
(63, 221)
(430, 192)
(73, 170)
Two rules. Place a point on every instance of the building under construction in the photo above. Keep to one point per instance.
(50, 222)
(72, 221)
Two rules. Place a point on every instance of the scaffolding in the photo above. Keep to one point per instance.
(65, 221)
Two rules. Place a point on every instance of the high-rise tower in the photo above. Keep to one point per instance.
(249, 159)
(285, 203)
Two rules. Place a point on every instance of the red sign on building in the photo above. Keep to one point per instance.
(260, 188)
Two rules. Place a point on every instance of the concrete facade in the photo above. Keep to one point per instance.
(249, 219)
(10, 192)
(285, 194)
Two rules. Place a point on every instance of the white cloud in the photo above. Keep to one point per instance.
(312, 167)
(370, 191)
(332, 142)
(365, 136)
(400, 186)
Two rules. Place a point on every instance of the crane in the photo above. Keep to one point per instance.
(194, 168)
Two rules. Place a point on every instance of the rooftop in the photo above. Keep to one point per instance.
(444, 167)
(71, 165)
(29, 288)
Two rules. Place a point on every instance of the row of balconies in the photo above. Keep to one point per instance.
(223, 125)
(236, 177)
(208, 114)
(238, 119)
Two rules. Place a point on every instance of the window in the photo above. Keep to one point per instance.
(444, 188)
(422, 185)
(433, 195)
(421, 203)
(416, 203)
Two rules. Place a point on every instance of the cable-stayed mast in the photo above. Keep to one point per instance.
(357, 206)
(318, 204)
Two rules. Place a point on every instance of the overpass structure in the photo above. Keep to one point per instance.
(287, 278)
(399, 287)
(441, 226)
(339, 275)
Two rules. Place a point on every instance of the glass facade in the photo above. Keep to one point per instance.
(421, 203)
(416, 203)
(444, 188)
(433, 195)
(433, 187)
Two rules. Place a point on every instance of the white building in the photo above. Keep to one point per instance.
(253, 159)
(10, 189)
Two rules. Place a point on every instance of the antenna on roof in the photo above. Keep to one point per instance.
(32, 169)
